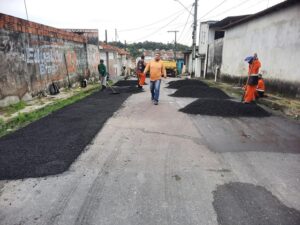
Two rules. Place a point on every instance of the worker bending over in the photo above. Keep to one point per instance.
(260, 89)
(252, 81)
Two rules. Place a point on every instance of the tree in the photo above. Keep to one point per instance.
(147, 45)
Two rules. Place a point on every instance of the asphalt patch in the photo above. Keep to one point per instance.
(50, 145)
(224, 108)
(247, 204)
(124, 89)
(187, 82)
(198, 91)
(122, 83)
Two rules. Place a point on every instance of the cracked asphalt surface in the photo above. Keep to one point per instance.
(156, 165)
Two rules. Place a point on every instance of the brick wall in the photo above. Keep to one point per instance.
(33, 55)
(19, 25)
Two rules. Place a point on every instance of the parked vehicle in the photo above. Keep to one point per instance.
(171, 67)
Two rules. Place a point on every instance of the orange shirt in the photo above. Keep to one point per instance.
(157, 69)
(254, 67)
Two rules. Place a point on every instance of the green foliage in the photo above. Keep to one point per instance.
(148, 45)
(1, 122)
(14, 108)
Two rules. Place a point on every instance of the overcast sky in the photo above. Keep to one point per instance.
(135, 20)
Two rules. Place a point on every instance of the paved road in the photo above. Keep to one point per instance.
(154, 165)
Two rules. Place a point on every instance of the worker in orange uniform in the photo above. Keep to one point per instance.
(157, 69)
(252, 81)
(260, 89)
(140, 67)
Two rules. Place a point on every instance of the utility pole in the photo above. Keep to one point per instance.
(194, 38)
(183, 6)
(107, 56)
(125, 47)
(116, 35)
(175, 44)
(26, 9)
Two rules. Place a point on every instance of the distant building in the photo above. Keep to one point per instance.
(117, 58)
(211, 36)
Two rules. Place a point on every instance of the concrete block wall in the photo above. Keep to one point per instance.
(276, 39)
(33, 55)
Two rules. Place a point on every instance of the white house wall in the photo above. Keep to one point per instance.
(276, 40)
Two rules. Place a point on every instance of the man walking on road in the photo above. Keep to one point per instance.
(157, 69)
(103, 75)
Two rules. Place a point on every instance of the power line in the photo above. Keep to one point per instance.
(187, 34)
(213, 9)
(187, 37)
(159, 29)
(184, 6)
(227, 10)
(151, 24)
(175, 43)
(256, 3)
(185, 23)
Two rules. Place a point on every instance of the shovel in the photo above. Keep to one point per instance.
(114, 92)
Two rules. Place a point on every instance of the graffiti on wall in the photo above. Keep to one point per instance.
(71, 59)
(30, 62)
(47, 57)
(93, 58)
(5, 46)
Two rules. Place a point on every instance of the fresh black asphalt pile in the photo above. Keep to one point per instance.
(122, 83)
(187, 82)
(200, 92)
(243, 203)
(212, 101)
(50, 145)
(224, 108)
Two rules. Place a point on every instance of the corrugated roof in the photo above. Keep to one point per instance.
(111, 48)
(227, 21)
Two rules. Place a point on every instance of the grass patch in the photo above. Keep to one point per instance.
(13, 108)
(24, 119)
(234, 92)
